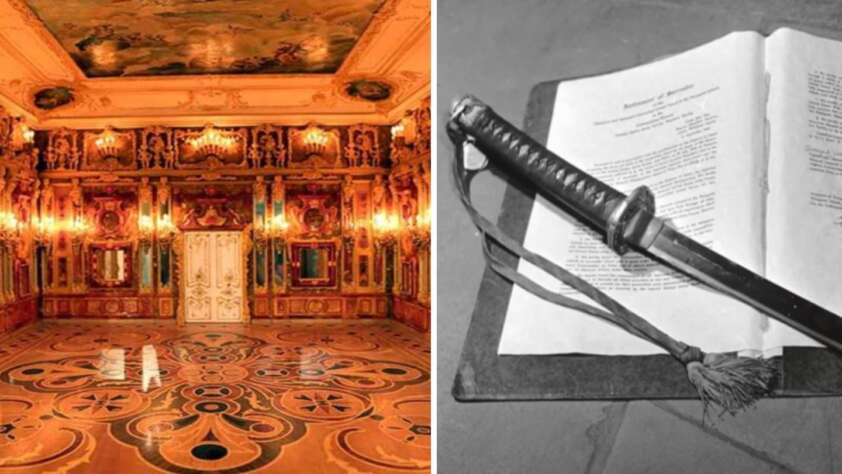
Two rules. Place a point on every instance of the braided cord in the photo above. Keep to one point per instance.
(611, 310)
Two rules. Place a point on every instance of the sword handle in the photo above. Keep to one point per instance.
(516, 152)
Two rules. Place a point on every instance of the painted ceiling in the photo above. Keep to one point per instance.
(108, 38)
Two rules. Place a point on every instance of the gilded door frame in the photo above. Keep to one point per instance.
(246, 244)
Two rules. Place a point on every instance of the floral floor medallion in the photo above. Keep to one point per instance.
(291, 396)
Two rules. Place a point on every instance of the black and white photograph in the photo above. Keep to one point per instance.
(639, 219)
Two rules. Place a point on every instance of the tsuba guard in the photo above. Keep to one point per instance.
(641, 199)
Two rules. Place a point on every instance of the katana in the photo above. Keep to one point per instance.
(629, 221)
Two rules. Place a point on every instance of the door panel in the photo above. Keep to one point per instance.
(214, 284)
(228, 277)
(197, 291)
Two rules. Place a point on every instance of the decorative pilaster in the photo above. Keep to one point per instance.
(146, 234)
(260, 277)
(279, 264)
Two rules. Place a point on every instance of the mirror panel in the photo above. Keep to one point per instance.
(313, 264)
(145, 267)
(110, 266)
(278, 265)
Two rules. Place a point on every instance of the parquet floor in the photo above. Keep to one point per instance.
(288, 396)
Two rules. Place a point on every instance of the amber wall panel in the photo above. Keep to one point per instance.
(411, 313)
(101, 307)
(18, 189)
(325, 191)
(17, 314)
(326, 306)
(409, 187)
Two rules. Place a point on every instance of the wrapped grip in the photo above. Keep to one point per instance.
(514, 151)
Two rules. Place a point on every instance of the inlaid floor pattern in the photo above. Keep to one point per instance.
(290, 396)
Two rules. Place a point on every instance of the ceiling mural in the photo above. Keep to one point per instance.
(109, 38)
(94, 64)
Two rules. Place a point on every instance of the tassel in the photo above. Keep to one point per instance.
(732, 382)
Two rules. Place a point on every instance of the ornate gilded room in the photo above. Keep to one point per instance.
(215, 236)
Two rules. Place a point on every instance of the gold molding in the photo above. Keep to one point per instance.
(247, 247)
(178, 250)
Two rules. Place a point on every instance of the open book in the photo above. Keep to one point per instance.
(740, 141)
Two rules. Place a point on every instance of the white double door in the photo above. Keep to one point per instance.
(215, 282)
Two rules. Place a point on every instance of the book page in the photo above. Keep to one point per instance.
(691, 128)
(804, 221)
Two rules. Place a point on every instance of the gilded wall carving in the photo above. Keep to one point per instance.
(19, 192)
(63, 150)
(264, 146)
(156, 148)
(363, 147)
(305, 196)
(108, 150)
(112, 211)
(267, 147)
(211, 148)
(335, 220)
(313, 147)
(312, 210)
(212, 207)
(410, 191)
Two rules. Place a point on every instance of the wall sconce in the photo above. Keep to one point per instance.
(278, 227)
(397, 130)
(22, 136)
(10, 226)
(405, 129)
(43, 229)
(349, 232)
(315, 140)
(211, 142)
(420, 228)
(106, 143)
(259, 228)
(164, 228)
(425, 219)
(145, 228)
(78, 228)
(385, 228)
